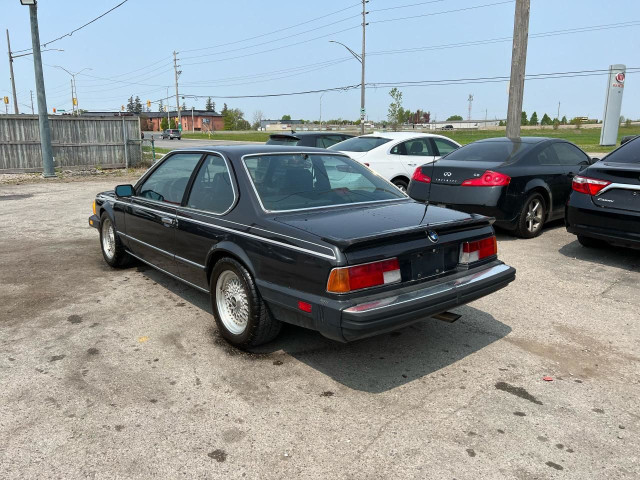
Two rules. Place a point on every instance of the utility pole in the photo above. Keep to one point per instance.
(73, 108)
(470, 100)
(364, 28)
(518, 65)
(43, 118)
(13, 80)
(558, 117)
(31, 91)
(177, 73)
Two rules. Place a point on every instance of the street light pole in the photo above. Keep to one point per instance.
(321, 95)
(43, 118)
(362, 60)
(74, 88)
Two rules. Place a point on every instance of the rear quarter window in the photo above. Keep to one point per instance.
(627, 153)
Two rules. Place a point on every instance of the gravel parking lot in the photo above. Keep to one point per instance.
(121, 374)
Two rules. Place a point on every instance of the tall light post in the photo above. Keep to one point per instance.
(43, 119)
(361, 60)
(74, 88)
(321, 95)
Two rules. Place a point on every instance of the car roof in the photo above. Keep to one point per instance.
(532, 140)
(307, 134)
(253, 149)
(402, 135)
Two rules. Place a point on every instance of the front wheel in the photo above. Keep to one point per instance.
(112, 249)
(240, 313)
(532, 217)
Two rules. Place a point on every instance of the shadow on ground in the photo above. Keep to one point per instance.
(509, 236)
(624, 258)
(372, 365)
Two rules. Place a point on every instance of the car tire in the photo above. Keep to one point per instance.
(532, 217)
(112, 249)
(590, 242)
(241, 315)
(402, 184)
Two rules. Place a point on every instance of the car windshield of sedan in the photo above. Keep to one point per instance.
(299, 181)
(359, 144)
(498, 152)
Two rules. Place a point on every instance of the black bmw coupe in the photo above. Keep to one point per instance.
(522, 182)
(298, 235)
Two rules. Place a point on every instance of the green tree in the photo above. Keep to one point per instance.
(210, 106)
(160, 106)
(454, 118)
(523, 119)
(183, 107)
(286, 118)
(627, 122)
(137, 105)
(227, 118)
(564, 120)
(173, 125)
(164, 124)
(556, 124)
(501, 123)
(534, 119)
(546, 120)
(395, 113)
(131, 105)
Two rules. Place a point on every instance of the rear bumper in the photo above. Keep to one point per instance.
(94, 221)
(348, 320)
(386, 314)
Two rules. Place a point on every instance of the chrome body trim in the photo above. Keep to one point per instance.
(189, 262)
(418, 295)
(337, 153)
(170, 274)
(164, 252)
(620, 186)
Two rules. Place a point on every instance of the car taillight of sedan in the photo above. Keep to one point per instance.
(589, 186)
(471, 252)
(367, 275)
(488, 179)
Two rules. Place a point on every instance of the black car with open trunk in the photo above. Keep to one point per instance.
(298, 235)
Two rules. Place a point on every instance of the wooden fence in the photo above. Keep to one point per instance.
(76, 141)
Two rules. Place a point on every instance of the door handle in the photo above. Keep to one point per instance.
(412, 164)
(167, 221)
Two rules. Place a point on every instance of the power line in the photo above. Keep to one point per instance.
(274, 31)
(406, 6)
(81, 27)
(443, 12)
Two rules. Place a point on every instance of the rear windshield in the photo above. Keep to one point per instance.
(282, 140)
(627, 153)
(293, 182)
(359, 144)
(499, 152)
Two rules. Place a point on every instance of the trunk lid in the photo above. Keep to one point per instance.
(454, 172)
(397, 229)
(624, 191)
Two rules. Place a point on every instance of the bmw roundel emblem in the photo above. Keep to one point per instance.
(433, 236)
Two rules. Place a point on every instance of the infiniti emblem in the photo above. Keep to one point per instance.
(433, 236)
(447, 174)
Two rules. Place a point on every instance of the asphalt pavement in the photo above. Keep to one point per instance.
(121, 373)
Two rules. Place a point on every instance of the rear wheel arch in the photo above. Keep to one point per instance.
(231, 250)
(544, 191)
(401, 180)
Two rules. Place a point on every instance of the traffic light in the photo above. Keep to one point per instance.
(6, 100)
(122, 108)
(75, 102)
(54, 109)
(148, 103)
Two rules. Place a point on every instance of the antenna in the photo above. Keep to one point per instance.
(470, 100)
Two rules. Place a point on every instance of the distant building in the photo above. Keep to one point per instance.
(192, 120)
(279, 125)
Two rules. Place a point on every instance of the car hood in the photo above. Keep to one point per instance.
(346, 225)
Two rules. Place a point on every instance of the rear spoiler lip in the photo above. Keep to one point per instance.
(441, 227)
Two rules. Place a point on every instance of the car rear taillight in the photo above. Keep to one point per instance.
(590, 186)
(488, 179)
(418, 176)
(474, 251)
(348, 279)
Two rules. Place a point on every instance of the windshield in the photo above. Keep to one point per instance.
(283, 140)
(359, 144)
(628, 153)
(498, 152)
(292, 182)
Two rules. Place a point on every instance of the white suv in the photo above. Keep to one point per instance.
(395, 155)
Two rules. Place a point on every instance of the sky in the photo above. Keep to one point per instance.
(253, 47)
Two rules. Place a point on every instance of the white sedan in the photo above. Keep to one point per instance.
(396, 155)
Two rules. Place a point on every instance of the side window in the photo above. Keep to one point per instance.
(400, 149)
(547, 156)
(444, 146)
(168, 182)
(568, 154)
(212, 190)
(323, 142)
(419, 146)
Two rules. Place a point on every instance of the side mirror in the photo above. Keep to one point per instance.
(124, 190)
